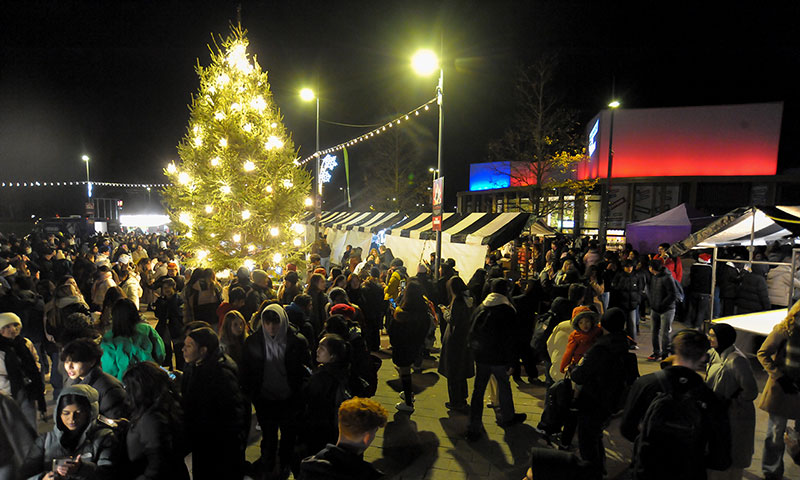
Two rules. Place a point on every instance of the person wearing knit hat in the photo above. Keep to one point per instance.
(729, 375)
(20, 377)
(602, 375)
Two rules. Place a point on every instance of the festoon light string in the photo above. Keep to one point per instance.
(422, 108)
(81, 182)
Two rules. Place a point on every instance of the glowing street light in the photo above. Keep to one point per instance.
(86, 159)
(425, 62)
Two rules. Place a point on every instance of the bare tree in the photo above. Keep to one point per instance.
(396, 176)
(543, 142)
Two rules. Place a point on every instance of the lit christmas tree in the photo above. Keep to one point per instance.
(237, 195)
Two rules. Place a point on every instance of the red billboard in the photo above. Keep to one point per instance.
(724, 140)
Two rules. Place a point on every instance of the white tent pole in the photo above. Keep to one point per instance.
(713, 288)
(752, 234)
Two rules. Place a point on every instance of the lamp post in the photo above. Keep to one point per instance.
(426, 62)
(307, 95)
(613, 106)
(85, 158)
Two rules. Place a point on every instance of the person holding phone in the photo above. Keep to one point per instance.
(78, 447)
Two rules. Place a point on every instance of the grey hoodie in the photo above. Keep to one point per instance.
(96, 445)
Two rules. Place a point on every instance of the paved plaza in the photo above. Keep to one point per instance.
(429, 443)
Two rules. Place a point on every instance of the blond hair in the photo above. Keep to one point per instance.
(791, 318)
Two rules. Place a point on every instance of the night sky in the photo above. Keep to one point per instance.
(113, 79)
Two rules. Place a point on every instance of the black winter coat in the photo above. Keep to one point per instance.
(752, 294)
(407, 335)
(217, 416)
(156, 443)
(700, 278)
(113, 398)
(626, 291)
(602, 375)
(297, 362)
(662, 292)
(338, 463)
(492, 337)
(322, 426)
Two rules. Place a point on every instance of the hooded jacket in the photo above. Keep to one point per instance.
(492, 336)
(295, 363)
(96, 445)
(579, 341)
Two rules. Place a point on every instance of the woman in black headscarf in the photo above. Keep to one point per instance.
(730, 377)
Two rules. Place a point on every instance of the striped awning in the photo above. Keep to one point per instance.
(492, 229)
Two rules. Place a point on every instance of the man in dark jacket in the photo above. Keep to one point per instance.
(700, 290)
(752, 294)
(492, 342)
(670, 460)
(359, 421)
(81, 359)
(273, 371)
(217, 416)
(662, 308)
(602, 375)
(626, 293)
(374, 308)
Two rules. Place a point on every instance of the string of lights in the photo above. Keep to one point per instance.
(402, 118)
(82, 182)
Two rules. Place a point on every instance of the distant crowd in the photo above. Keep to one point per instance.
(303, 353)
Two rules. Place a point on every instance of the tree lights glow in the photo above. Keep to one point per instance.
(230, 156)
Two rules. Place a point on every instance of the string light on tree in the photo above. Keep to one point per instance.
(240, 131)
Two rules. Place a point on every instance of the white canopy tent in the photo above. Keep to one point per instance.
(467, 238)
(747, 227)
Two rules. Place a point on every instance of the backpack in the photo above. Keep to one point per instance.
(672, 429)
(479, 332)
(545, 323)
(679, 295)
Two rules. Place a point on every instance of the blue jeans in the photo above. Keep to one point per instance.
(662, 327)
(632, 323)
(482, 374)
(772, 460)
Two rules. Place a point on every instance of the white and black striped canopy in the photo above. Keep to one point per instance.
(492, 229)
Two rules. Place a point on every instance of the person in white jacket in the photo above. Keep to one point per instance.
(779, 283)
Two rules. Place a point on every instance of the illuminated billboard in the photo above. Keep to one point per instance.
(489, 176)
(724, 140)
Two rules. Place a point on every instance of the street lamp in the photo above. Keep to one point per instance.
(613, 106)
(85, 158)
(434, 172)
(307, 95)
(425, 62)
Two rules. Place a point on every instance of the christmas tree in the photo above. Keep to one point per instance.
(237, 196)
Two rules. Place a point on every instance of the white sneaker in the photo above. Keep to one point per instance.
(403, 407)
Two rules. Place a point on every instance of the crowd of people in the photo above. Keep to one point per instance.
(299, 351)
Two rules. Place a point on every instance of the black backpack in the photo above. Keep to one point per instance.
(479, 332)
(545, 324)
(672, 429)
